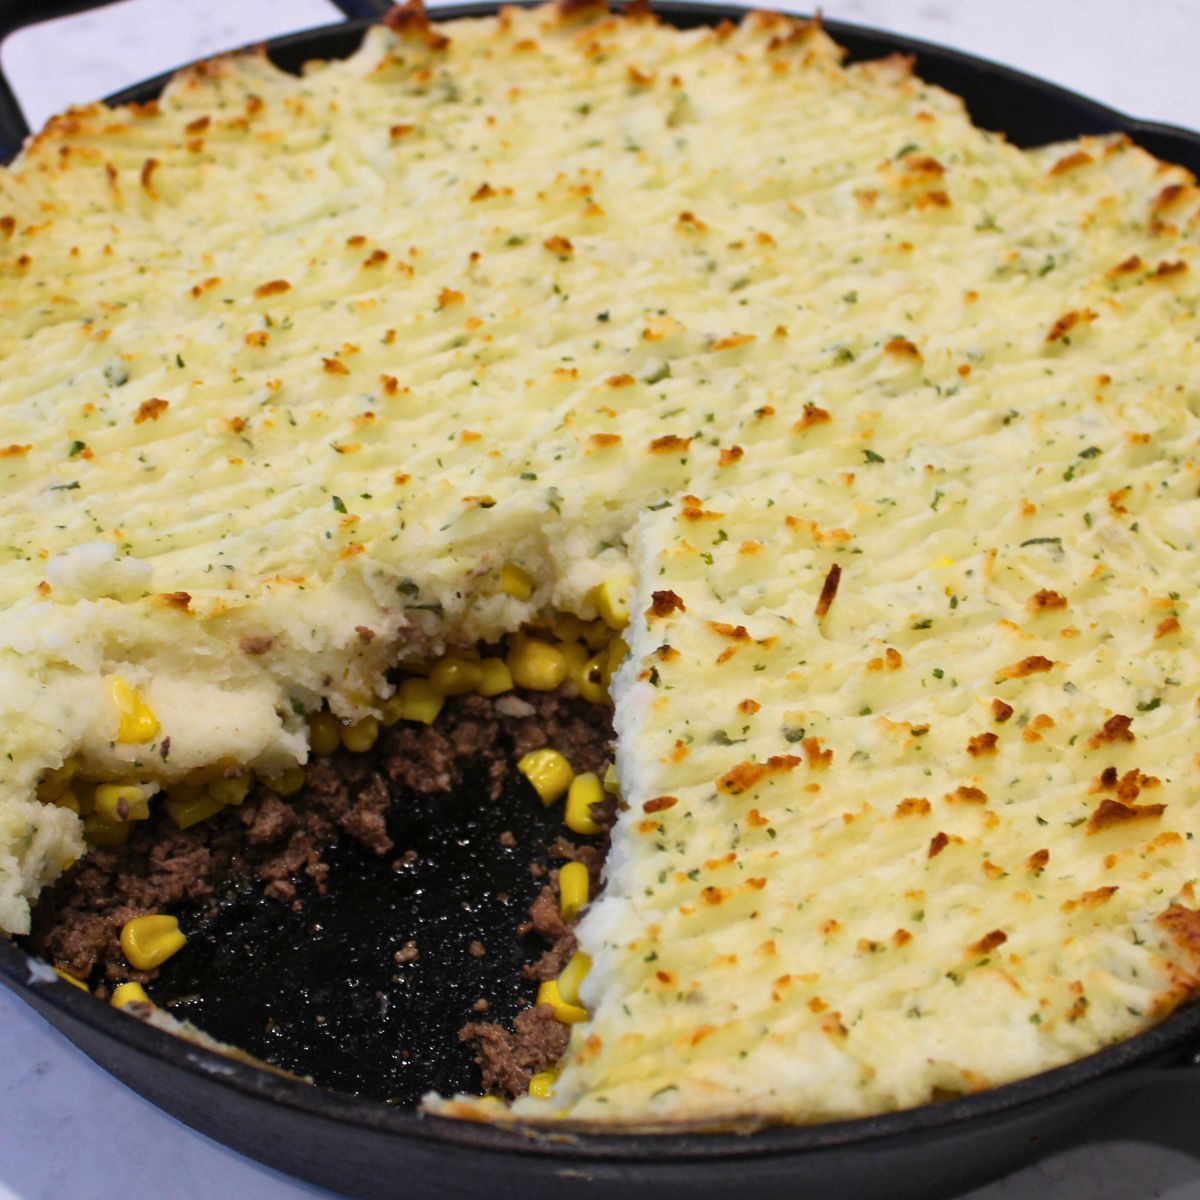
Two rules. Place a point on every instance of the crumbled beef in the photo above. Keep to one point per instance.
(544, 915)
(604, 812)
(326, 777)
(580, 731)
(419, 759)
(432, 759)
(366, 821)
(592, 857)
(509, 1058)
(550, 965)
(302, 852)
(269, 821)
(76, 944)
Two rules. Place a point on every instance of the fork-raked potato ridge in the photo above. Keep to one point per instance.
(891, 423)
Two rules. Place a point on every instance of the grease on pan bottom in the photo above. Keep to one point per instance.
(334, 990)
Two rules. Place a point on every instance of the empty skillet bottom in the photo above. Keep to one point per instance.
(381, 929)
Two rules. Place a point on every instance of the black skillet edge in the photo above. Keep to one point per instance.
(1119, 1069)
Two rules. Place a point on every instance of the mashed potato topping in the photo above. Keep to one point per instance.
(888, 427)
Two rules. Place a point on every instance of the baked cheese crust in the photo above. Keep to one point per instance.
(890, 427)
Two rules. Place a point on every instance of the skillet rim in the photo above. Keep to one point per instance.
(1122, 1066)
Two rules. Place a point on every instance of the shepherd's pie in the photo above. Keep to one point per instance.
(881, 430)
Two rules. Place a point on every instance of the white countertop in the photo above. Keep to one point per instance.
(71, 1131)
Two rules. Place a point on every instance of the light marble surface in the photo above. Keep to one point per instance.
(69, 1130)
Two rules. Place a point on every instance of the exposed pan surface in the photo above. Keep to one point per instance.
(361, 1147)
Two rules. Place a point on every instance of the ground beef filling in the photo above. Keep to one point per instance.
(278, 841)
(509, 1058)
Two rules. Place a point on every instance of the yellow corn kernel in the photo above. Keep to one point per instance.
(456, 676)
(568, 1014)
(573, 881)
(85, 794)
(359, 737)
(612, 785)
(324, 733)
(287, 783)
(219, 768)
(612, 602)
(232, 790)
(147, 942)
(572, 975)
(129, 993)
(535, 664)
(68, 800)
(597, 634)
(617, 649)
(549, 772)
(577, 657)
(100, 832)
(415, 700)
(541, 1085)
(136, 721)
(567, 627)
(54, 783)
(121, 802)
(516, 581)
(67, 978)
(495, 677)
(591, 680)
(414, 663)
(585, 791)
(188, 806)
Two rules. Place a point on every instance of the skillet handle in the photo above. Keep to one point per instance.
(15, 14)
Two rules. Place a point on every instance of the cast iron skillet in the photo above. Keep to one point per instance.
(365, 1148)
